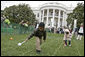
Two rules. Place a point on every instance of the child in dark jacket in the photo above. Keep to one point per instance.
(39, 33)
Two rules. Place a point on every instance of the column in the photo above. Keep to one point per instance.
(40, 16)
(63, 19)
(47, 17)
(43, 16)
(53, 17)
(75, 23)
(58, 19)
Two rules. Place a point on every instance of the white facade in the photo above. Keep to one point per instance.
(52, 14)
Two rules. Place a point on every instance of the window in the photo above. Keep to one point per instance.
(38, 15)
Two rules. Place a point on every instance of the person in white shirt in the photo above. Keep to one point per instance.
(80, 32)
(36, 25)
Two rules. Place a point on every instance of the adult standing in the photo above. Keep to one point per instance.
(80, 32)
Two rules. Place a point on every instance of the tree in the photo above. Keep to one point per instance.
(70, 19)
(1, 13)
(78, 13)
(19, 13)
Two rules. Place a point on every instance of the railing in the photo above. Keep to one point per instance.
(16, 29)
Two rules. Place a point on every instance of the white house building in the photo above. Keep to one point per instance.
(52, 14)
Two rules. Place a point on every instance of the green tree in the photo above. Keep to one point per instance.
(78, 13)
(70, 19)
(1, 13)
(19, 13)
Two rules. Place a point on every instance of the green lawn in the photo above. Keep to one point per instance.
(52, 47)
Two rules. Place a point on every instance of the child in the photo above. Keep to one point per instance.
(70, 36)
(67, 37)
(39, 32)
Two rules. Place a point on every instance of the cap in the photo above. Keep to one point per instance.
(41, 24)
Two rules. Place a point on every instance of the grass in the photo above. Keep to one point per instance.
(52, 47)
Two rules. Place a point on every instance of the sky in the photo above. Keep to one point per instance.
(5, 4)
